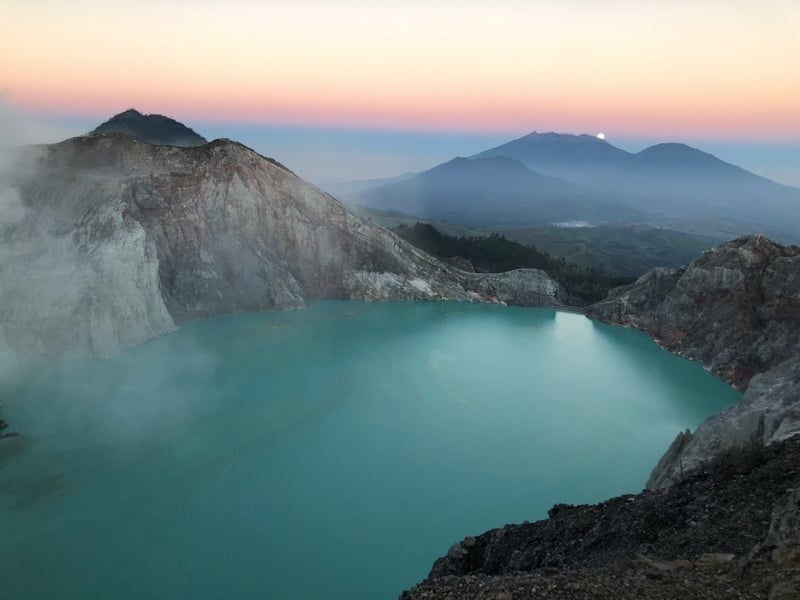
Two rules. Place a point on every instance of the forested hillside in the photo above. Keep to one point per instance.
(496, 253)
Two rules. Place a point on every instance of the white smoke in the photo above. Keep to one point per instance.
(19, 132)
(11, 208)
(77, 282)
(17, 157)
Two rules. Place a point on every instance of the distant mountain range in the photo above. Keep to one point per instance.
(153, 129)
(667, 179)
(549, 177)
(494, 191)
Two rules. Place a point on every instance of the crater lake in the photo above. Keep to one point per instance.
(332, 452)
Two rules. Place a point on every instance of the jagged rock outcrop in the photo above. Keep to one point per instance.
(768, 412)
(120, 239)
(736, 310)
(731, 531)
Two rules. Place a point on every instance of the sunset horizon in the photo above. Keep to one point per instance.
(713, 75)
(716, 69)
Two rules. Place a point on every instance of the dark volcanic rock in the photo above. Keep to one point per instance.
(153, 129)
(724, 533)
(628, 580)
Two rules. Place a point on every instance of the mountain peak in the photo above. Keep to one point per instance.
(153, 129)
(540, 150)
(552, 136)
(674, 148)
(678, 153)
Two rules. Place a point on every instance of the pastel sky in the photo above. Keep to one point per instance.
(724, 72)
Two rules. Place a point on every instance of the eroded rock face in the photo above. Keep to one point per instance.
(736, 310)
(121, 239)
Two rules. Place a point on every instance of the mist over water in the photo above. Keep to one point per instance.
(326, 453)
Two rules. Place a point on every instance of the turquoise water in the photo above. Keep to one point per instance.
(333, 452)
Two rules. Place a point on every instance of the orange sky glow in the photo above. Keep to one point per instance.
(720, 68)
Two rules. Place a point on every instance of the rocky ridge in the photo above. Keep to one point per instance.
(121, 239)
(736, 309)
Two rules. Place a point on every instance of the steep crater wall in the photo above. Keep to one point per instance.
(736, 310)
(120, 239)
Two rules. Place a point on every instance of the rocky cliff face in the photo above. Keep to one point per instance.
(736, 310)
(121, 239)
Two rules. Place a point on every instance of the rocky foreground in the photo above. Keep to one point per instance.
(721, 516)
(115, 240)
(730, 531)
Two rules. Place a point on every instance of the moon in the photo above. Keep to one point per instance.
(601, 136)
